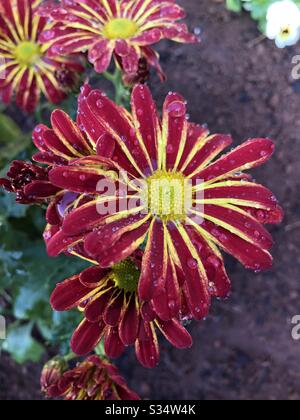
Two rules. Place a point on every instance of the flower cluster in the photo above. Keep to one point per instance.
(149, 199)
(26, 67)
(91, 380)
(41, 44)
(156, 265)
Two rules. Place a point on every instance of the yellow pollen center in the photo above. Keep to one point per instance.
(285, 32)
(126, 276)
(120, 28)
(27, 53)
(168, 195)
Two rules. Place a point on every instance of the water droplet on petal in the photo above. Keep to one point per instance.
(176, 109)
(170, 149)
(99, 104)
(192, 264)
(214, 261)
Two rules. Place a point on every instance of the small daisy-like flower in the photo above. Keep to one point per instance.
(283, 23)
(26, 68)
(114, 312)
(181, 243)
(121, 29)
(93, 379)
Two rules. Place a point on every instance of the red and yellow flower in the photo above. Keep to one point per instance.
(121, 29)
(93, 379)
(182, 260)
(26, 68)
(114, 312)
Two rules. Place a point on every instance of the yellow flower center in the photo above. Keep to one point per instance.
(126, 276)
(120, 28)
(285, 32)
(27, 53)
(168, 195)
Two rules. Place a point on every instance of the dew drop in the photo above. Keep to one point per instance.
(176, 109)
(99, 104)
(192, 264)
(170, 149)
(214, 261)
(171, 304)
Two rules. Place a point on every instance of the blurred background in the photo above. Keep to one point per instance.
(236, 83)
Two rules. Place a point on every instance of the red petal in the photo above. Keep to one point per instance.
(129, 324)
(154, 265)
(167, 303)
(125, 247)
(219, 283)
(114, 120)
(147, 121)
(174, 128)
(146, 347)
(93, 276)
(113, 346)
(106, 236)
(251, 256)
(76, 178)
(196, 282)
(239, 224)
(60, 242)
(68, 294)
(175, 333)
(206, 151)
(69, 134)
(113, 310)
(249, 155)
(95, 309)
(86, 337)
(242, 194)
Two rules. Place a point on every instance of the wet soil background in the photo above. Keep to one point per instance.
(244, 350)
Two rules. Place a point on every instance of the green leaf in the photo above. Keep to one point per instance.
(12, 140)
(21, 345)
(10, 208)
(234, 5)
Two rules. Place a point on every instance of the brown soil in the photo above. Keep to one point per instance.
(244, 349)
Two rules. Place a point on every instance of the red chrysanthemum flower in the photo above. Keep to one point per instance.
(51, 375)
(92, 379)
(123, 29)
(114, 312)
(181, 255)
(29, 182)
(27, 69)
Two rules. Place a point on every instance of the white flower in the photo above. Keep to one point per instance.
(283, 23)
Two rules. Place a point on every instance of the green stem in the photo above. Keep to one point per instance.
(99, 350)
(69, 357)
(122, 93)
